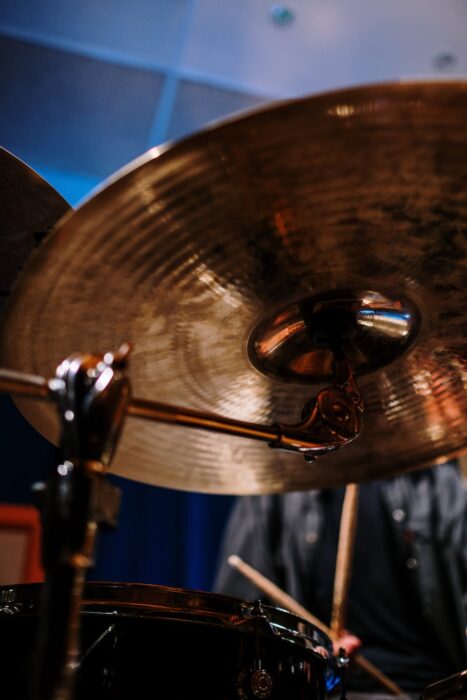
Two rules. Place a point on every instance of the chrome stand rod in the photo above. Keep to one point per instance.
(164, 413)
(21, 384)
(331, 420)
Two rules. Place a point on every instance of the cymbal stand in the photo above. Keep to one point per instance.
(331, 420)
(93, 396)
(91, 393)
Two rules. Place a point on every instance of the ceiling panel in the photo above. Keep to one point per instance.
(197, 104)
(328, 44)
(73, 113)
(146, 30)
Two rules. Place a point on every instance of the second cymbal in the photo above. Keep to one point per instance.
(29, 208)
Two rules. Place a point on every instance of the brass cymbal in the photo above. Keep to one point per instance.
(29, 208)
(207, 255)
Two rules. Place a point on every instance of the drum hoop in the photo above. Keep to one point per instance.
(146, 601)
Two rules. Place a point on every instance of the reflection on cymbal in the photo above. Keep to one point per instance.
(29, 208)
(208, 255)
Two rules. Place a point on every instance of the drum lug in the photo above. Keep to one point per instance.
(261, 683)
(256, 683)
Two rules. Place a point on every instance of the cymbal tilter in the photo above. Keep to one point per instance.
(331, 420)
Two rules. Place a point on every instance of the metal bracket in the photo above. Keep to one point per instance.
(331, 420)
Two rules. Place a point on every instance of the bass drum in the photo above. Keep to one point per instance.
(142, 641)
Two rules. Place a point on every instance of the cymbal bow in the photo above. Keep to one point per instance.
(215, 258)
(30, 208)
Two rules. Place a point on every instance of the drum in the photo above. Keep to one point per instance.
(142, 641)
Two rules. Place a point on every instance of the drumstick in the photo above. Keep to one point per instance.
(286, 601)
(345, 551)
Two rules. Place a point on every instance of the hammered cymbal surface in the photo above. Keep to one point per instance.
(187, 250)
(29, 208)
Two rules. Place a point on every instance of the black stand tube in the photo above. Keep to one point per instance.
(92, 397)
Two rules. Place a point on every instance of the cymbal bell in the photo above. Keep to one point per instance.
(30, 208)
(208, 254)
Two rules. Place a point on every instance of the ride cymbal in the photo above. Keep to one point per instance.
(211, 255)
(29, 208)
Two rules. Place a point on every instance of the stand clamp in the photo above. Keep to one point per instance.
(331, 420)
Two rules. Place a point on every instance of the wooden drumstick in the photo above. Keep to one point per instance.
(348, 526)
(283, 599)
